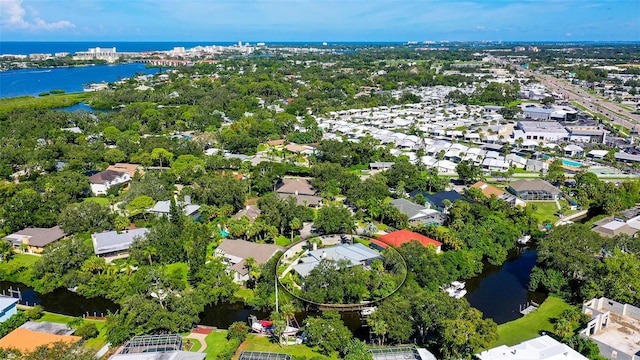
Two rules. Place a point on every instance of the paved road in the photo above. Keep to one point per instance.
(592, 102)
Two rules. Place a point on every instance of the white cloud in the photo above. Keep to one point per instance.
(14, 17)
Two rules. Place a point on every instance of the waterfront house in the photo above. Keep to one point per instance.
(536, 189)
(113, 244)
(397, 238)
(356, 254)
(27, 340)
(34, 239)
(541, 348)
(8, 307)
(236, 252)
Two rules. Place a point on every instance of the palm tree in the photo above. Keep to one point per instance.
(295, 225)
(6, 251)
(380, 329)
(23, 247)
(149, 252)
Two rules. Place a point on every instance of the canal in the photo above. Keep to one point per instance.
(498, 292)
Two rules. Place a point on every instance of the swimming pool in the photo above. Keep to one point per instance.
(572, 163)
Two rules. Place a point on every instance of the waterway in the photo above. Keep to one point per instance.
(31, 82)
(499, 291)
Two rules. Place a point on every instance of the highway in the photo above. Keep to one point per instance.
(594, 103)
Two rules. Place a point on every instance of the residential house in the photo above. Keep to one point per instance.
(34, 239)
(397, 238)
(27, 340)
(250, 211)
(625, 157)
(418, 214)
(112, 244)
(536, 166)
(130, 169)
(105, 180)
(490, 190)
(498, 164)
(516, 161)
(597, 154)
(163, 208)
(437, 201)
(536, 189)
(613, 327)
(445, 167)
(541, 348)
(381, 166)
(235, 253)
(8, 307)
(300, 189)
(573, 151)
(354, 255)
(626, 222)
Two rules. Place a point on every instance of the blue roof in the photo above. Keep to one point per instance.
(438, 198)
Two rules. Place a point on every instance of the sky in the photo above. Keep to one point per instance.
(319, 20)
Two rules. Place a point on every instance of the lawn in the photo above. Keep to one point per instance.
(545, 211)
(283, 241)
(22, 260)
(96, 343)
(530, 326)
(263, 343)
(215, 341)
(99, 200)
(19, 268)
(196, 344)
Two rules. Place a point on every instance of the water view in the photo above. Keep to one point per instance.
(497, 292)
(31, 82)
(500, 290)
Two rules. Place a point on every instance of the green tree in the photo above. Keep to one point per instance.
(328, 333)
(334, 219)
(88, 216)
(161, 156)
(468, 172)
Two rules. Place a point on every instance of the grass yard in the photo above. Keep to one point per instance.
(545, 211)
(196, 344)
(215, 341)
(530, 326)
(263, 343)
(99, 200)
(283, 241)
(96, 343)
(21, 260)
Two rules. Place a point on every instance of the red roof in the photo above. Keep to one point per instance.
(400, 237)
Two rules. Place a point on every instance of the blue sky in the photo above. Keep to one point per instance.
(319, 20)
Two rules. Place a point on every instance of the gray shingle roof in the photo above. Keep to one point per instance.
(112, 241)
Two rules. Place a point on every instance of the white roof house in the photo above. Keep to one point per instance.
(540, 348)
(516, 160)
(446, 167)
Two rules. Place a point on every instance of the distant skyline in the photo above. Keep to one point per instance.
(318, 20)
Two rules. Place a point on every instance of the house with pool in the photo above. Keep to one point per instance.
(535, 189)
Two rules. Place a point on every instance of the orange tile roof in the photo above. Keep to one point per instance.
(397, 238)
(26, 340)
(487, 189)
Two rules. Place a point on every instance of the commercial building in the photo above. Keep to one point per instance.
(551, 131)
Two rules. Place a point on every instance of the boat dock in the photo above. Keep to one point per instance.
(529, 307)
